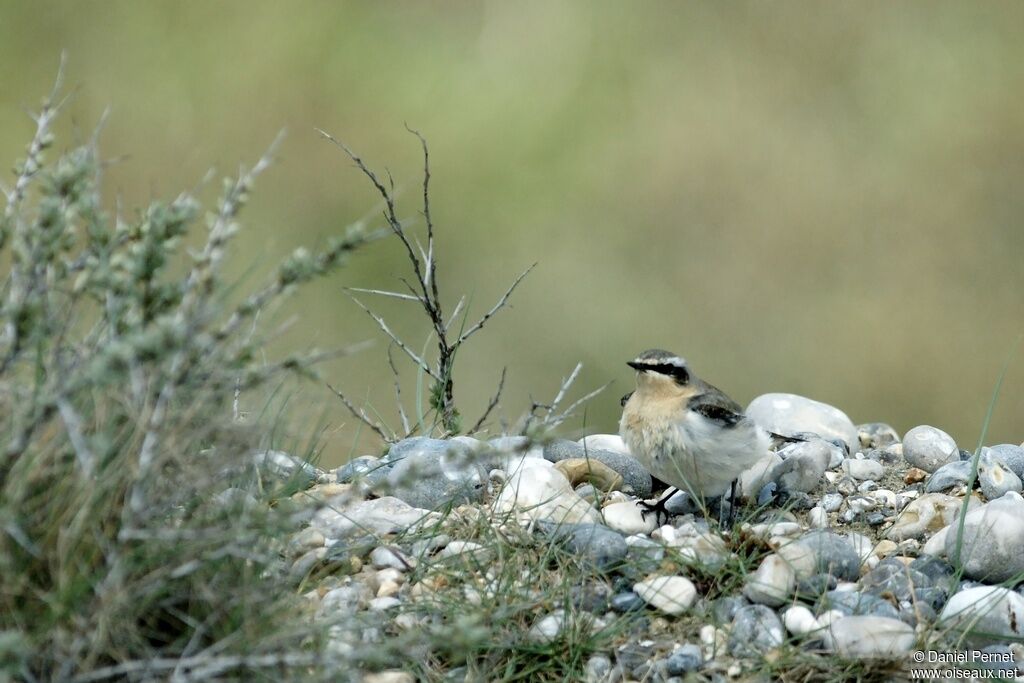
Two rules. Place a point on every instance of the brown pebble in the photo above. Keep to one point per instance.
(914, 475)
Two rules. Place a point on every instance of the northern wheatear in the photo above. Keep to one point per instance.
(685, 431)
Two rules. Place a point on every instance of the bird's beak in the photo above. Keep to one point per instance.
(636, 366)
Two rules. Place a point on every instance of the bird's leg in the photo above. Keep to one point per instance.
(658, 508)
(731, 515)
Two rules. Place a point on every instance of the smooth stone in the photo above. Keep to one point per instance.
(723, 610)
(950, 476)
(800, 621)
(871, 637)
(355, 468)
(286, 468)
(562, 449)
(680, 503)
(598, 545)
(644, 551)
(628, 518)
(635, 478)
(817, 518)
(547, 628)
(877, 435)
(627, 601)
(803, 465)
(755, 630)
(994, 476)
(863, 469)
(604, 442)
(821, 552)
(468, 551)
(597, 669)
(684, 659)
(384, 604)
(345, 599)
(857, 603)
(831, 502)
(696, 546)
(929, 513)
(543, 493)
(985, 614)
(993, 540)
(435, 474)
(669, 594)
(1012, 455)
(508, 449)
(772, 583)
(379, 516)
(929, 448)
(790, 414)
(383, 557)
(389, 677)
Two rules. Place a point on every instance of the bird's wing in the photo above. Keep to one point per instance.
(715, 405)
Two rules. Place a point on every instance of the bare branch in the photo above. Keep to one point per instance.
(398, 394)
(501, 302)
(455, 313)
(576, 404)
(492, 405)
(361, 415)
(566, 383)
(381, 292)
(402, 345)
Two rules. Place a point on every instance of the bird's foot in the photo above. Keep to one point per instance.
(661, 513)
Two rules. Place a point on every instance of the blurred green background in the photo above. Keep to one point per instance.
(817, 198)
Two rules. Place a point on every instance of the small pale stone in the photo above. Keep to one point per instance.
(884, 548)
(543, 493)
(817, 518)
(389, 677)
(773, 582)
(831, 502)
(871, 637)
(929, 513)
(628, 518)
(465, 550)
(387, 556)
(388, 589)
(799, 621)
(669, 594)
(863, 469)
(992, 540)
(985, 613)
(548, 627)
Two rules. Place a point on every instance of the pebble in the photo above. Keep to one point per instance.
(877, 435)
(803, 465)
(378, 516)
(821, 552)
(863, 469)
(684, 659)
(434, 473)
(626, 601)
(985, 614)
(772, 583)
(914, 475)
(383, 604)
(389, 677)
(992, 542)
(597, 669)
(1010, 454)
(695, 545)
(855, 602)
(596, 544)
(542, 492)
(800, 621)
(389, 556)
(472, 553)
(604, 442)
(755, 630)
(628, 517)
(584, 470)
(929, 448)
(817, 518)
(758, 475)
(286, 468)
(952, 475)
(547, 628)
(994, 476)
(790, 414)
(929, 513)
(871, 637)
(355, 468)
(831, 502)
(669, 594)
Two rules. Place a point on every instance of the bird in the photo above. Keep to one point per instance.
(686, 432)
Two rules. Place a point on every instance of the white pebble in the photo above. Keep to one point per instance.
(669, 594)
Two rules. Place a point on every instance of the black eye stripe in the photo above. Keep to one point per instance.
(679, 373)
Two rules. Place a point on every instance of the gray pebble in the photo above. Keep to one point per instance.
(433, 473)
(596, 544)
(994, 476)
(831, 501)
(627, 601)
(724, 609)
(859, 604)
(684, 659)
(822, 552)
(1012, 455)
(803, 465)
(950, 476)
(597, 668)
(356, 467)
(929, 448)
(755, 630)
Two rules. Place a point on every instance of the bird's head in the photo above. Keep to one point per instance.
(661, 372)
